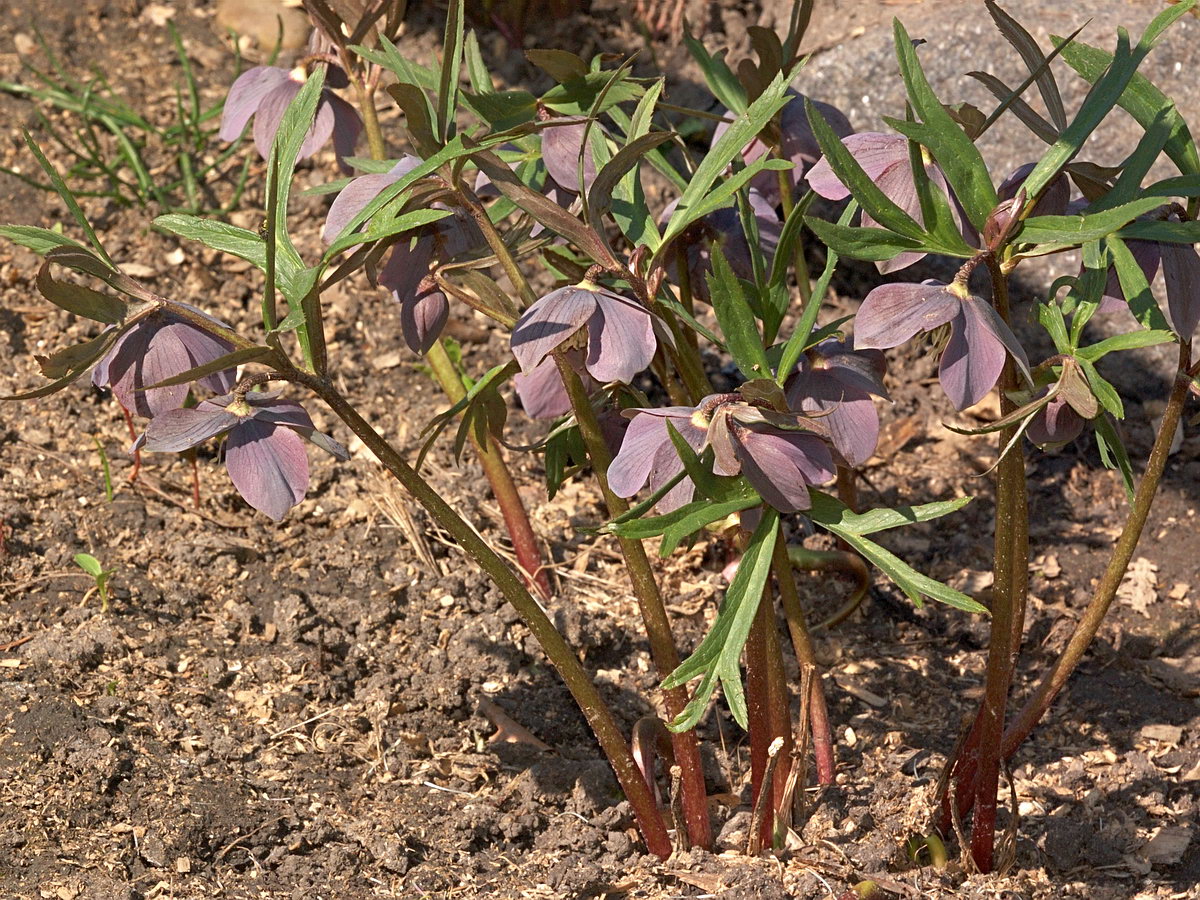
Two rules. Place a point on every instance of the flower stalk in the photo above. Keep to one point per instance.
(597, 713)
(652, 608)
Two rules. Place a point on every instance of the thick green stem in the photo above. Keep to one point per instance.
(598, 715)
(653, 611)
(818, 714)
(496, 243)
(366, 103)
(504, 489)
(1052, 682)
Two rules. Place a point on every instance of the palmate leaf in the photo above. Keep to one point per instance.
(1023, 42)
(1090, 226)
(679, 524)
(716, 659)
(872, 244)
(832, 515)
(956, 155)
(1107, 91)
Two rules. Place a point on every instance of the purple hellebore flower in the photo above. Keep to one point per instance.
(884, 159)
(264, 452)
(974, 356)
(562, 146)
(424, 308)
(797, 143)
(723, 227)
(264, 93)
(1055, 198)
(542, 392)
(778, 459)
(158, 347)
(1055, 424)
(836, 382)
(620, 332)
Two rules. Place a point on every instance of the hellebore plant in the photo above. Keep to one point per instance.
(472, 215)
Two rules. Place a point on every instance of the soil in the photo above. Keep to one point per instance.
(312, 709)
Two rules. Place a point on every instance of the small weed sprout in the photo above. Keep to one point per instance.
(100, 575)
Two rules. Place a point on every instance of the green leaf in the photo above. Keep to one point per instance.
(222, 236)
(579, 96)
(1135, 287)
(1164, 232)
(826, 509)
(407, 71)
(730, 301)
(477, 70)
(872, 244)
(451, 70)
(799, 341)
(1113, 453)
(624, 162)
(1108, 90)
(956, 155)
(1141, 99)
(544, 210)
(848, 170)
(80, 300)
(419, 117)
(717, 74)
(719, 197)
(1090, 226)
(1130, 341)
(744, 129)
(502, 109)
(679, 523)
(828, 515)
(1023, 42)
(718, 655)
(227, 361)
(1101, 389)
(68, 198)
(40, 240)
(561, 65)
(89, 564)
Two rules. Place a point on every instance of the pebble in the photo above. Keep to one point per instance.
(260, 20)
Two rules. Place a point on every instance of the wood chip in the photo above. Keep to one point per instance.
(1167, 734)
(1166, 846)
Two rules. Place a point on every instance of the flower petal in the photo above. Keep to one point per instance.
(347, 126)
(1055, 424)
(270, 113)
(621, 339)
(781, 465)
(631, 467)
(422, 317)
(179, 429)
(361, 191)
(893, 313)
(542, 392)
(561, 148)
(1181, 271)
(245, 96)
(268, 465)
(874, 151)
(847, 410)
(973, 359)
(549, 322)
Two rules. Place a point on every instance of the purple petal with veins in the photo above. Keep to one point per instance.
(246, 95)
(781, 465)
(268, 465)
(874, 151)
(1055, 424)
(1181, 271)
(180, 429)
(549, 322)
(893, 313)
(359, 192)
(973, 358)
(270, 114)
(562, 146)
(621, 339)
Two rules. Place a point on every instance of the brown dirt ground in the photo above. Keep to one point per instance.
(298, 710)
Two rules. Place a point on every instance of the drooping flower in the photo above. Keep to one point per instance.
(562, 146)
(979, 339)
(620, 332)
(885, 160)
(424, 308)
(778, 456)
(797, 144)
(541, 390)
(1055, 424)
(264, 453)
(836, 382)
(264, 93)
(723, 228)
(161, 346)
